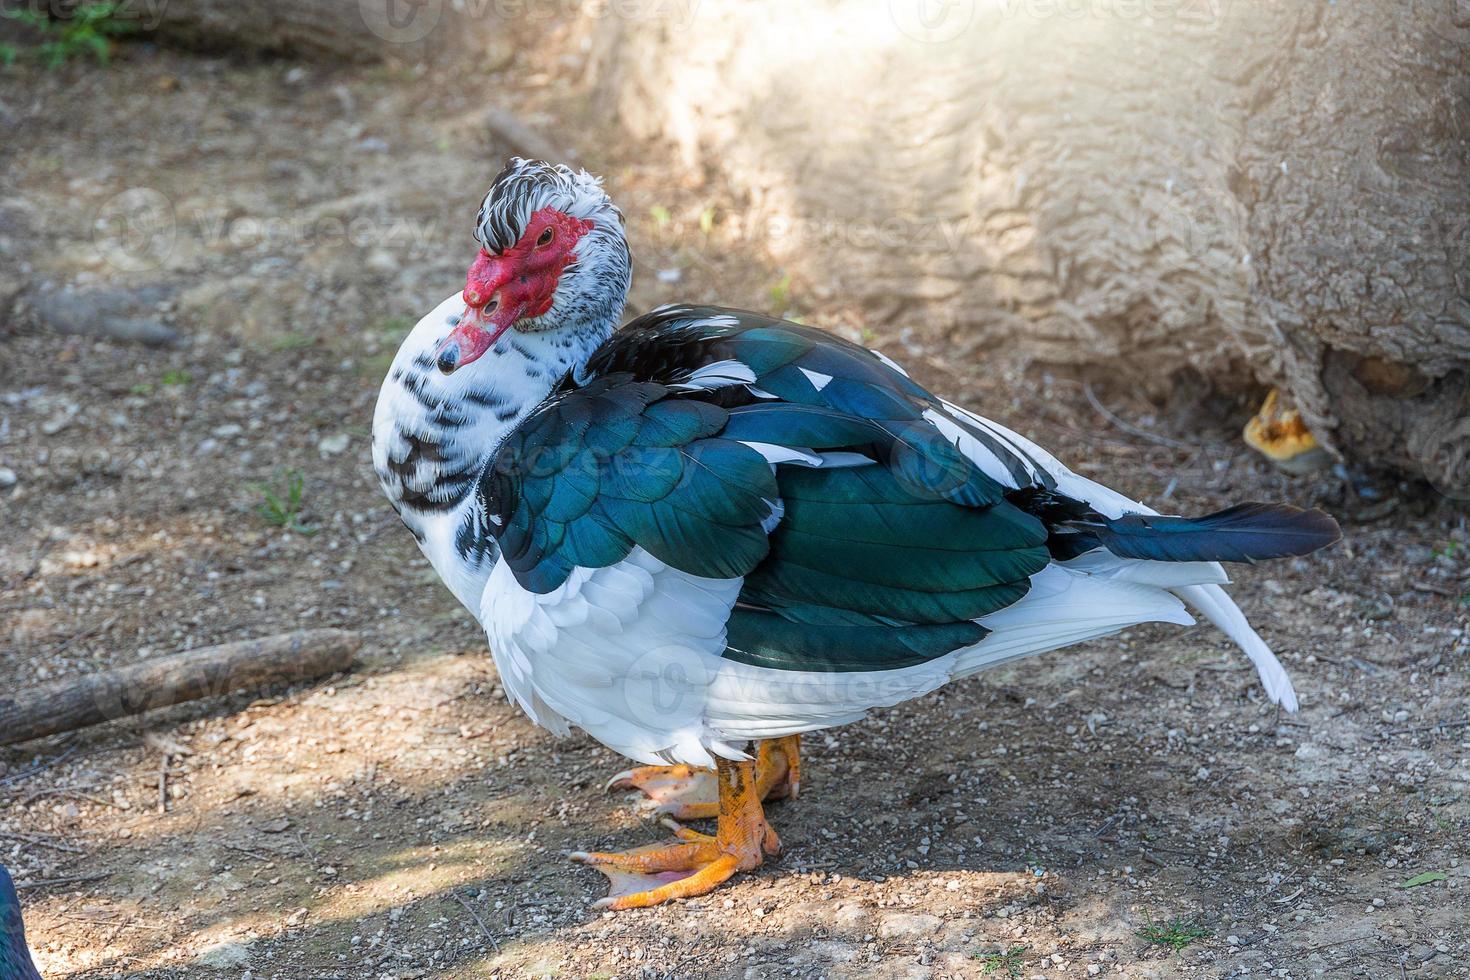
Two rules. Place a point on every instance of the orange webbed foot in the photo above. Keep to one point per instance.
(682, 792)
(686, 793)
(698, 863)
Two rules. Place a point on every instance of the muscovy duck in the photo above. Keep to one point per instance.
(15, 956)
(710, 531)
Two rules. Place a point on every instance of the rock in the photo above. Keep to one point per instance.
(905, 925)
(334, 444)
(8, 478)
(225, 956)
(55, 424)
(850, 918)
(116, 314)
(379, 260)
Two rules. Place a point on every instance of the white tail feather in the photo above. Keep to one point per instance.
(1217, 606)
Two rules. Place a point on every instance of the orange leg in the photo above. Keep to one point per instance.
(658, 873)
(687, 793)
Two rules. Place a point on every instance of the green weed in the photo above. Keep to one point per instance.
(284, 510)
(86, 30)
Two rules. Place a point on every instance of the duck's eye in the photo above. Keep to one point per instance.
(545, 239)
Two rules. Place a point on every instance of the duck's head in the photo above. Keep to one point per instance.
(553, 257)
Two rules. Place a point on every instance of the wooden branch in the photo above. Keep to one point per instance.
(110, 694)
(519, 138)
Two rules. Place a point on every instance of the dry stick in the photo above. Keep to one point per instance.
(1128, 427)
(478, 921)
(212, 671)
(40, 842)
(517, 136)
(68, 880)
(39, 767)
(1428, 728)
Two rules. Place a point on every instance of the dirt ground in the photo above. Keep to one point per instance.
(404, 821)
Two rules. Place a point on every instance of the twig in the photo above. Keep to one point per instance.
(38, 767)
(305, 847)
(40, 842)
(478, 921)
(163, 784)
(517, 136)
(85, 634)
(30, 573)
(68, 880)
(245, 850)
(72, 794)
(1128, 427)
(1428, 728)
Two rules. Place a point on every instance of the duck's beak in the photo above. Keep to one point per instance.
(476, 332)
(488, 313)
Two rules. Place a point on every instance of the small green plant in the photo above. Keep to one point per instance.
(1448, 551)
(660, 215)
(292, 341)
(1176, 934)
(1009, 961)
(176, 378)
(781, 291)
(141, 388)
(87, 29)
(285, 510)
(707, 221)
(7, 55)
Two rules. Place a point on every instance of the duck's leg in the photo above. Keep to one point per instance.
(687, 793)
(657, 873)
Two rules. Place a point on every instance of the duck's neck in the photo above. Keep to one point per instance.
(433, 434)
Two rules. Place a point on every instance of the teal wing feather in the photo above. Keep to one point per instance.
(870, 567)
(617, 464)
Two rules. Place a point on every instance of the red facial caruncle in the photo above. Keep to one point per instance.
(518, 283)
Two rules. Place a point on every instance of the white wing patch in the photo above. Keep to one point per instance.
(1197, 583)
(632, 655)
(717, 374)
(890, 362)
(817, 378)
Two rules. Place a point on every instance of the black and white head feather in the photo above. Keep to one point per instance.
(594, 288)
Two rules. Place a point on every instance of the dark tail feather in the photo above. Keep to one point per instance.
(1245, 533)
